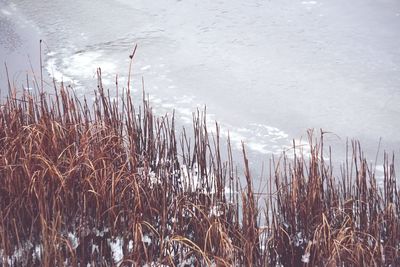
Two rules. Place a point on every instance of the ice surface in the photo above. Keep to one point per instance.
(5, 12)
(287, 65)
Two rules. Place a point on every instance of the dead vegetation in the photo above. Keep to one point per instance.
(111, 184)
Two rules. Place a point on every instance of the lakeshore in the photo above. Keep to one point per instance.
(107, 186)
(130, 189)
(266, 70)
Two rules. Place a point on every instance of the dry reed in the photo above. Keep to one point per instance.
(111, 184)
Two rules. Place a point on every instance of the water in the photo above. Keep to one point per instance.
(267, 70)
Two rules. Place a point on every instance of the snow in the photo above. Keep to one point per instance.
(305, 258)
(116, 248)
(73, 239)
(309, 2)
(147, 67)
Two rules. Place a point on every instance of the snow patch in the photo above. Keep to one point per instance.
(309, 2)
(56, 74)
(305, 258)
(73, 239)
(116, 248)
(147, 67)
(184, 99)
(258, 147)
(85, 64)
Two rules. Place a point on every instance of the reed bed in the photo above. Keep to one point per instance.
(111, 184)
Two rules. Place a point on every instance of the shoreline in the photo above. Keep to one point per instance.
(19, 49)
(18, 57)
(140, 197)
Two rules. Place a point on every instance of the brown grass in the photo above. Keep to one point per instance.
(74, 180)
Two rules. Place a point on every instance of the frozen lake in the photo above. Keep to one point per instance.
(267, 70)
